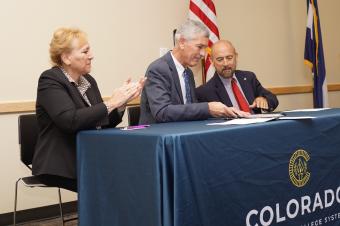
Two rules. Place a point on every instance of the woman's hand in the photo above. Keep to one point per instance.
(140, 85)
(128, 91)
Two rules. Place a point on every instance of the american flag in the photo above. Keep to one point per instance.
(204, 11)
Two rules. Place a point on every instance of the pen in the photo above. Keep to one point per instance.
(135, 127)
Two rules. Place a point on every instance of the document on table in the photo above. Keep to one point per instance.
(258, 118)
(306, 110)
(266, 115)
(241, 121)
(280, 116)
(295, 117)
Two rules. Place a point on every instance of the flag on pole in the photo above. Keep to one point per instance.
(314, 57)
(204, 11)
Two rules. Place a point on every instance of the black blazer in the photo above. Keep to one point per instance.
(214, 90)
(162, 99)
(61, 113)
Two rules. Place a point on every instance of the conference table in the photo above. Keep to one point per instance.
(280, 172)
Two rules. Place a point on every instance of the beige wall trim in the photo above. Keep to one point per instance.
(29, 106)
(291, 90)
(300, 89)
(16, 107)
(334, 87)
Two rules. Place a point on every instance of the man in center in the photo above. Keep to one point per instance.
(169, 92)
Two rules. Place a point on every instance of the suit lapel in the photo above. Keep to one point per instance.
(91, 96)
(72, 89)
(92, 92)
(171, 63)
(221, 91)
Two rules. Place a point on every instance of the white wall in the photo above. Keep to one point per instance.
(126, 36)
(270, 38)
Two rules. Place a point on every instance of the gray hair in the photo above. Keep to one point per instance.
(190, 29)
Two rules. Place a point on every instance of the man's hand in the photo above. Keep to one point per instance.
(219, 110)
(260, 102)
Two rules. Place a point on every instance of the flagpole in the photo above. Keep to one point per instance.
(203, 71)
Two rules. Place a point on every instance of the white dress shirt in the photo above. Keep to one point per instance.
(227, 85)
(180, 69)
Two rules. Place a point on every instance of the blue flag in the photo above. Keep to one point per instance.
(314, 57)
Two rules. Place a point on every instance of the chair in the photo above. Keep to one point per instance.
(28, 134)
(133, 115)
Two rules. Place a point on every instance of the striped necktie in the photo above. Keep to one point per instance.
(187, 87)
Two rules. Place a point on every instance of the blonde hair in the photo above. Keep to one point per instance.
(62, 43)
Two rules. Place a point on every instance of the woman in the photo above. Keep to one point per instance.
(68, 100)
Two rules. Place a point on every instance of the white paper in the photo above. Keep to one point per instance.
(241, 121)
(310, 109)
(296, 117)
(267, 115)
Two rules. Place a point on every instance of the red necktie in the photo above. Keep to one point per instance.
(242, 102)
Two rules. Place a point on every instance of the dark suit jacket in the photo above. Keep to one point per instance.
(214, 90)
(61, 113)
(162, 99)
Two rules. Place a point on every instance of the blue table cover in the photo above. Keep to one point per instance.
(282, 172)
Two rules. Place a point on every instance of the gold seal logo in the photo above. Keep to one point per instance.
(298, 170)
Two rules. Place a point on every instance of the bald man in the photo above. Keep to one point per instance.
(220, 87)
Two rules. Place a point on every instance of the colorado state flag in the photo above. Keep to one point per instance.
(314, 57)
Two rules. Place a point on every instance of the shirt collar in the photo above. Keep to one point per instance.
(82, 84)
(227, 81)
(179, 67)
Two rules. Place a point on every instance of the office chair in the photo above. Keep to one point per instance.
(28, 135)
(133, 115)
